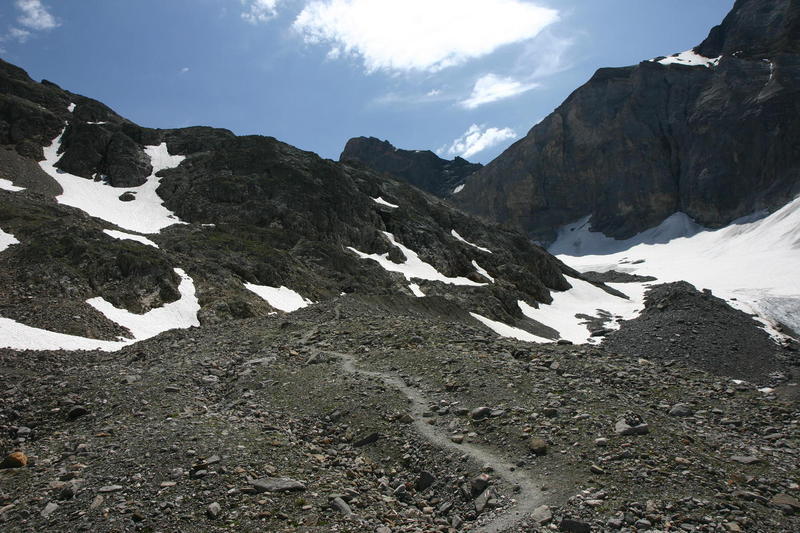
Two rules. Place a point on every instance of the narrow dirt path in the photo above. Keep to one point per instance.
(529, 497)
(528, 494)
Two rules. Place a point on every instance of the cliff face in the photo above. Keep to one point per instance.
(421, 168)
(715, 138)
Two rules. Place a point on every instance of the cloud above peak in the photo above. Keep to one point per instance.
(419, 35)
(35, 16)
(491, 88)
(477, 139)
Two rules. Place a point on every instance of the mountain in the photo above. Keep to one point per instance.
(206, 332)
(421, 168)
(712, 132)
(113, 223)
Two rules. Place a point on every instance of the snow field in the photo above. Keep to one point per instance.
(281, 298)
(145, 214)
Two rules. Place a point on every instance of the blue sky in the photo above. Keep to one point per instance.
(461, 77)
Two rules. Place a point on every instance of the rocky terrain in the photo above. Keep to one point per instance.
(714, 137)
(421, 168)
(287, 343)
(414, 422)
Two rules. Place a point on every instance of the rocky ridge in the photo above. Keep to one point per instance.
(715, 139)
(255, 210)
(421, 168)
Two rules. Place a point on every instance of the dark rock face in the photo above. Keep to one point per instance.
(257, 211)
(421, 168)
(636, 144)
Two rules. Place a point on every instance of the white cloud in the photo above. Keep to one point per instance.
(490, 88)
(434, 92)
(18, 34)
(403, 35)
(184, 70)
(257, 11)
(477, 139)
(35, 16)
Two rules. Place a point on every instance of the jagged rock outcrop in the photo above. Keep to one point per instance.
(421, 168)
(635, 144)
(256, 211)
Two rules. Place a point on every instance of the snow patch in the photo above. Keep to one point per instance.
(21, 337)
(145, 214)
(413, 267)
(577, 239)
(379, 200)
(281, 297)
(129, 237)
(71, 107)
(416, 291)
(180, 314)
(458, 189)
(176, 315)
(6, 240)
(690, 58)
(752, 263)
(455, 234)
(6, 185)
(482, 271)
(504, 330)
(586, 299)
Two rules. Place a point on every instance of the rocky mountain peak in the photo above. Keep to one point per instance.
(710, 135)
(421, 168)
(757, 29)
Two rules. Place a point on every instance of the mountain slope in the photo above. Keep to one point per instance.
(712, 133)
(421, 168)
(258, 226)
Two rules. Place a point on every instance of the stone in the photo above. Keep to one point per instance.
(785, 501)
(424, 481)
(110, 488)
(574, 526)
(276, 484)
(542, 515)
(478, 484)
(479, 413)
(369, 439)
(213, 510)
(538, 446)
(15, 460)
(631, 424)
(77, 412)
(746, 459)
(49, 509)
(340, 505)
(681, 409)
(594, 469)
(482, 501)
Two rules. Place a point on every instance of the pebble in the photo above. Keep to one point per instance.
(15, 460)
(49, 509)
(213, 510)
(276, 484)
